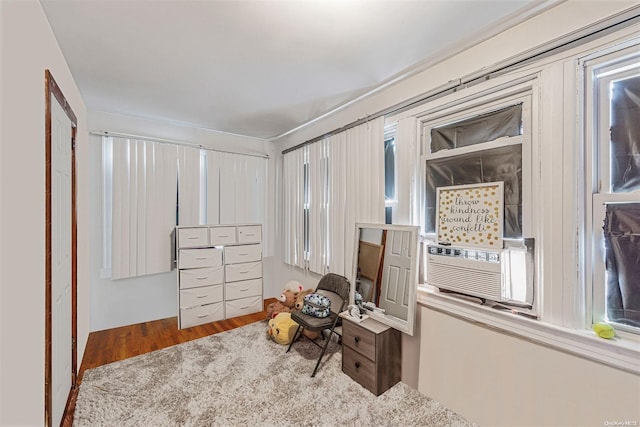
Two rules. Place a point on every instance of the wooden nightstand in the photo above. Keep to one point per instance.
(371, 354)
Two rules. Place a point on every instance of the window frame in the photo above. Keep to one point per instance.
(599, 71)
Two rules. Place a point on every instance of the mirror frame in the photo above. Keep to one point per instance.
(405, 326)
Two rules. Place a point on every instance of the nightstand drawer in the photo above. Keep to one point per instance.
(245, 271)
(201, 296)
(192, 237)
(358, 367)
(198, 258)
(196, 277)
(201, 314)
(242, 253)
(359, 339)
(245, 288)
(222, 236)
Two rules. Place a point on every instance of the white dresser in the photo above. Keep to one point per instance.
(219, 272)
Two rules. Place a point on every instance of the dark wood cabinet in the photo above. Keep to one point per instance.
(371, 354)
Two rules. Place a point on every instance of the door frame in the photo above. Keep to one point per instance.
(52, 89)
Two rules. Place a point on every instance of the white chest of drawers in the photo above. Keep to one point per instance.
(219, 272)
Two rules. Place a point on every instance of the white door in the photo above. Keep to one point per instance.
(398, 254)
(61, 334)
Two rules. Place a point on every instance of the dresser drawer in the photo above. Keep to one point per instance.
(192, 237)
(240, 307)
(197, 258)
(359, 339)
(195, 277)
(245, 288)
(201, 314)
(358, 367)
(222, 235)
(249, 233)
(243, 253)
(201, 296)
(245, 271)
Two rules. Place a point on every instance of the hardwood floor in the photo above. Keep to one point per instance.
(120, 343)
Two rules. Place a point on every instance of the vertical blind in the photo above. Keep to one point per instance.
(345, 186)
(293, 208)
(407, 154)
(143, 206)
(155, 186)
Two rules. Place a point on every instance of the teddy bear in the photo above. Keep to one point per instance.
(291, 285)
(282, 306)
(286, 300)
(282, 328)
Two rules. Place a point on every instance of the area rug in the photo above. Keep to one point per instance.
(242, 378)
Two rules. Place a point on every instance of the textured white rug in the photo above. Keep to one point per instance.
(240, 378)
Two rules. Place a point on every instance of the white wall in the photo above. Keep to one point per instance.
(27, 48)
(454, 361)
(534, 386)
(141, 299)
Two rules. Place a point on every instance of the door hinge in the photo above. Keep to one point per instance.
(73, 143)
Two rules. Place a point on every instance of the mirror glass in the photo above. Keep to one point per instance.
(385, 272)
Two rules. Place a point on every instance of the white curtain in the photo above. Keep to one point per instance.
(293, 208)
(407, 156)
(144, 189)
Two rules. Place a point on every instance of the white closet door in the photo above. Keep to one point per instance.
(61, 346)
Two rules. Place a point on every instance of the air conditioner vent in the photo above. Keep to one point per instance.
(472, 277)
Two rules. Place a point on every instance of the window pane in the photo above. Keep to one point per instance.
(622, 245)
(388, 211)
(625, 135)
(390, 169)
(478, 129)
(498, 164)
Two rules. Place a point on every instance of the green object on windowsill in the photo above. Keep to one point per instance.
(604, 330)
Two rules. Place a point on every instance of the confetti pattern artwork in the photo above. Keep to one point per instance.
(471, 215)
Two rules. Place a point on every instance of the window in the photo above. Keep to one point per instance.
(390, 199)
(485, 140)
(479, 162)
(612, 127)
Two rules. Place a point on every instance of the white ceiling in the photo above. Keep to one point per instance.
(259, 68)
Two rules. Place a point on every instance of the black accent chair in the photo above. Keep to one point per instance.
(336, 288)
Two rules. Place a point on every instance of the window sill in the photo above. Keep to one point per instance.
(619, 352)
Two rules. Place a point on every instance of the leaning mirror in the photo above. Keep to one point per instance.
(385, 273)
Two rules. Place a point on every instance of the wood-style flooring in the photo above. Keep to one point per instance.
(120, 343)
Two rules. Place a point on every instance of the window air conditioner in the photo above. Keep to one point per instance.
(502, 275)
(473, 272)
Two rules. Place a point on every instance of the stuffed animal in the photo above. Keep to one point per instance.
(291, 285)
(284, 306)
(282, 328)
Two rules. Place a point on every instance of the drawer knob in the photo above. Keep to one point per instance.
(356, 339)
(357, 365)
